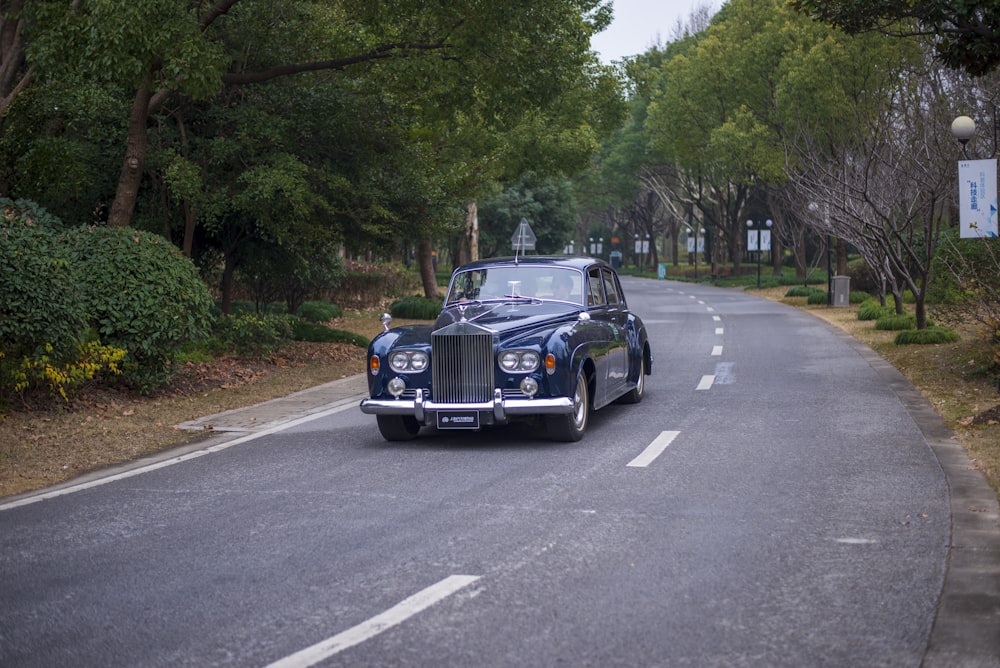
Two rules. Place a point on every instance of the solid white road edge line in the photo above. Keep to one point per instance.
(706, 383)
(654, 449)
(173, 460)
(395, 615)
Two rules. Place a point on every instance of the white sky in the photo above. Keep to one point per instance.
(640, 24)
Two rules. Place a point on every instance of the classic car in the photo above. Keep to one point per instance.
(532, 337)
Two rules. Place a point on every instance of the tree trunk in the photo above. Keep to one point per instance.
(135, 158)
(190, 222)
(425, 259)
(472, 231)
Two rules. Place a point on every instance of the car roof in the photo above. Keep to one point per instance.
(568, 261)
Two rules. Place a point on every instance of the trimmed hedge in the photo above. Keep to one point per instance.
(142, 295)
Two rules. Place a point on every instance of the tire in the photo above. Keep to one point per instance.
(635, 395)
(398, 427)
(571, 427)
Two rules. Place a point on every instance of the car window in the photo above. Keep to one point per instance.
(611, 288)
(595, 287)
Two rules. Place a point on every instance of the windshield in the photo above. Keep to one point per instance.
(532, 282)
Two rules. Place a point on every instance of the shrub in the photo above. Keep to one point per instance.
(858, 297)
(253, 334)
(896, 321)
(41, 306)
(416, 307)
(800, 291)
(872, 309)
(928, 335)
(319, 311)
(273, 271)
(27, 212)
(365, 284)
(142, 295)
(65, 378)
(316, 333)
(818, 297)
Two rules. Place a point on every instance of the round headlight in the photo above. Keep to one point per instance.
(419, 361)
(509, 361)
(529, 361)
(399, 361)
(396, 387)
(529, 386)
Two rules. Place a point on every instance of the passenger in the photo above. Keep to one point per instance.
(562, 285)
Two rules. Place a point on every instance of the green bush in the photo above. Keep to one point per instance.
(858, 297)
(253, 334)
(801, 291)
(896, 321)
(818, 297)
(929, 335)
(30, 213)
(319, 311)
(871, 309)
(142, 295)
(273, 271)
(365, 284)
(41, 305)
(317, 333)
(416, 307)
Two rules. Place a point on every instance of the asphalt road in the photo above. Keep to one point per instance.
(774, 501)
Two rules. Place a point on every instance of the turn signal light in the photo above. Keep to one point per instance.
(373, 364)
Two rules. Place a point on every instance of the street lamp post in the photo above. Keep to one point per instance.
(759, 241)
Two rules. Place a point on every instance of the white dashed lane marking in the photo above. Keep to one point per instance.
(654, 449)
(394, 616)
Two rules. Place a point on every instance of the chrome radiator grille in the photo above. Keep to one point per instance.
(462, 367)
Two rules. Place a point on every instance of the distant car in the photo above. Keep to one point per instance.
(518, 338)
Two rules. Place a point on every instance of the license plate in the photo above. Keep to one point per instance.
(458, 420)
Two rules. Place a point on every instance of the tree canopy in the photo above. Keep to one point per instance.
(967, 32)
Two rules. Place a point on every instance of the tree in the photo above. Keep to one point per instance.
(967, 33)
(547, 204)
(890, 186)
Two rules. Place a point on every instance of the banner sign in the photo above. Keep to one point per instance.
(977, 198)
(758, 240)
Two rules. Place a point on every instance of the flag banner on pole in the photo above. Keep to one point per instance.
(977, 198)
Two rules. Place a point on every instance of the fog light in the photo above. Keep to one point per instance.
(396, 387)
(529, 386)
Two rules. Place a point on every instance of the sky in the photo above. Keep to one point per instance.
(640, 24)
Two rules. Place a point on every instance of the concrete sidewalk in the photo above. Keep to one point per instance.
(283, 409)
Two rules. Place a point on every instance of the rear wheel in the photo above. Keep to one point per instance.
(572, 426)
(398, 427)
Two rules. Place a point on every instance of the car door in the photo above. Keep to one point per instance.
(617, 315)
(604, 345)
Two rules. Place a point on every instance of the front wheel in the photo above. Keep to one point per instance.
(572, 426)
(398, 427)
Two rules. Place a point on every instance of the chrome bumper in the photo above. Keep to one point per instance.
(500, 408)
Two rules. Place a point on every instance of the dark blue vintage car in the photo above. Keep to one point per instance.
(518, 338)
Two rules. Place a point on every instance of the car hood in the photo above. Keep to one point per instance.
(509, 316)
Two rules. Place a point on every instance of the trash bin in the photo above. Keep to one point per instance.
(841, 291)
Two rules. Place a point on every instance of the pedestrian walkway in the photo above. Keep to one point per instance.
(283, 409)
